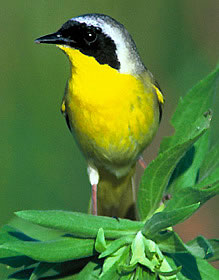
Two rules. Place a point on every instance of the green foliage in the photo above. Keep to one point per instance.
(89, 247)
(74, 223)
(162, 220)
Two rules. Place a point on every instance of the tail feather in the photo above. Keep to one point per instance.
(115, 196)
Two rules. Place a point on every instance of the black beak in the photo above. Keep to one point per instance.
(54, 38)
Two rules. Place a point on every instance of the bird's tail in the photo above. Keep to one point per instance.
(116, 197)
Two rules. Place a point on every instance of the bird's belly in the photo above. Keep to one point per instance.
(113, 116)
(114, 135)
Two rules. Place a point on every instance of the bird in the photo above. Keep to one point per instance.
(112, 105)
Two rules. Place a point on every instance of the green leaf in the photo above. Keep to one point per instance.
(192, 268)
(215, 246)
(138, 247)
(116, 245)
(147, 275)
(201, 247)
(55, 271)
(125, 277)
(14, 259)
(11, 258)
(40, 270)
(91, 271)
(211, 179)
(163, 220)
(59, 250)
(195, 103)
(173, 265)
(63, 269)
(210, 163)
(110, 267)
(21, 274)
(170, 273)
(81, 225)
(139, 273)
(170, 242)
(100, 244)
(198, 194)
(157, 174)
(185, 173)
(9, 233)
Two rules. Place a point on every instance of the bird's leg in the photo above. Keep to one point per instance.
(142, 162)
(94, 179)
(94, 199)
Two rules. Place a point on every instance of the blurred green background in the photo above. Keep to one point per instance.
(40, 164)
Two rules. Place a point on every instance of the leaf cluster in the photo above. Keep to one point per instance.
(88, 247)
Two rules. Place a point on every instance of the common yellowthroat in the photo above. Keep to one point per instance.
(112, 106)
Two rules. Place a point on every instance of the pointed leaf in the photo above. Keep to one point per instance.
(68, 268)
(186, 171)
(170, 273)
(81, 225)
(163, 220)
(10, 257)
(201, 247)
(148, 275)
(210, 163)
(126, 277)
(91, 271)
(192, 268)
(40, 270)
(21, 274)
(59, 250)
(110, 267)
(157, 174)
(170, 242)
(100, 244)
(192, 195)
(139, 273)
(138, 247)
(215, 246)
(194, 104)
(9, 233)
(116, 245)
(14, 259)
(211, 179)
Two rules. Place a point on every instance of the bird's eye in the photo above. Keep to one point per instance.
(90, 36)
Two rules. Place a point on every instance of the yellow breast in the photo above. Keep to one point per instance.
(114, 116)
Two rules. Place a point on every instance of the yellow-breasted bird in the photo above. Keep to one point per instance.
(112, 105)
